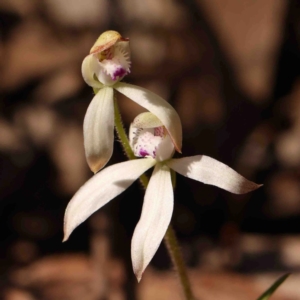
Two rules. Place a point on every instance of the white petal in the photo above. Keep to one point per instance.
(90, 67)
(102, 188)
(155, 219)
(211, 171)
(158, 106)
(98, 129)
(165, 149)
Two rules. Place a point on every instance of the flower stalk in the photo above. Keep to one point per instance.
(170, 238)
(125, 142)
(178, 262)
(121, 132)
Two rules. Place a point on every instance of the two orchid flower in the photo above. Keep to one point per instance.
(154, 135)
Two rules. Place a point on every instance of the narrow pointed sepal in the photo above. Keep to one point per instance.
(156, 105)
(102, 188)
(98, 129)
(155, 219)
(210, 171)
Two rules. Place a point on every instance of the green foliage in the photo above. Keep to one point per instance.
(268, 293)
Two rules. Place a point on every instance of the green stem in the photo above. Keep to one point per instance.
(178, 262)
(125, 142)
(170, 238)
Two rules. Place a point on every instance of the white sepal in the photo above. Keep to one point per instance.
(210, 171)
(155, 219)
(98, 129)
(89, 68)
(165, 149)
(156, 105)
(102, 188)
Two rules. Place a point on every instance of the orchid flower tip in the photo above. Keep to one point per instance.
(178, 149)
(65, 238)
(252, 187)
(138, 277)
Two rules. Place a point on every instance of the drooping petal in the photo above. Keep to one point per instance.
(89, 68)
(155, 219)
(102, 188)
(158, 106)
(210, 171)
(98, 129)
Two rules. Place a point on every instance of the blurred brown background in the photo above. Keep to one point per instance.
(230, 68)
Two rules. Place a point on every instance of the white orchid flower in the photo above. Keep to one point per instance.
(107, 63)
(149, 139)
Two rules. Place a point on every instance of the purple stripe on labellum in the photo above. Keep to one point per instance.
(120, 72)
(143, 152)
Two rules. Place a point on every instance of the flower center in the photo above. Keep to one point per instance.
(151, 142)
(106, 54)
(114, 63)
